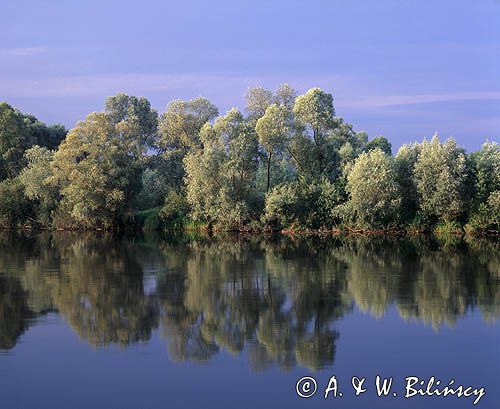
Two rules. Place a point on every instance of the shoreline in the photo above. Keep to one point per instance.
(346, 232)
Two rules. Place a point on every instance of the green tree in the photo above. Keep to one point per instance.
(135, 120)
(35, 179)
(406, 158)
(16, 211)
(312, 148)
(15, 138)
(440, 174)
(45, 136)
(179, 133)
(97, 173)
(374, 193)
(381, 143)
(273, 130)
(299, 205)
(257, 100)
(220, 177)
(285, 96)
(486, 169)
(182, 121)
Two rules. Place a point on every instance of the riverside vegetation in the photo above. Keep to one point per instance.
(287, 163)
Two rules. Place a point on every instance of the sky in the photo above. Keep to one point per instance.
(399, 68)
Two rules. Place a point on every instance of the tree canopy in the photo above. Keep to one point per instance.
(286, 162)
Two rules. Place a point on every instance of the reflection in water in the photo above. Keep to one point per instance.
(277, 299)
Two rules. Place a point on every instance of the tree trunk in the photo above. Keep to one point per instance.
(269, 171)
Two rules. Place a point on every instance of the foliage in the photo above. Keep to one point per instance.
(18, 132)
(273, 129)
(299, 206)
(406, 158)
(288, 163)
(381, 143)
(181, 123)
(15, 138)
(374, 193)
(135, 121)
(486, 172)
(220, 177)
(175, 210)
(34, 178)
(440, 174)
(97, 173)
(486, 217)
(16, 211)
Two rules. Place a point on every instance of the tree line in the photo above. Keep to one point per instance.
(286, 163)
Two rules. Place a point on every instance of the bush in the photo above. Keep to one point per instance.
(173, 214)
(16, 210)
(297, 205)
(486, 217)
(374, 193)
(448, 228)
(148, 219)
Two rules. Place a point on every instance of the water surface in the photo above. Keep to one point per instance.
(96, 321)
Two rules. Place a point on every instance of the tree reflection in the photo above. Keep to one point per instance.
(277, 299)
(14, 312)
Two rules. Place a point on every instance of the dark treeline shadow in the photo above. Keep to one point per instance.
(276, 298)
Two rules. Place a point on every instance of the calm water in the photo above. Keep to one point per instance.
(90, 321)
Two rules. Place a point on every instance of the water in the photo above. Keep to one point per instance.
(95, 321)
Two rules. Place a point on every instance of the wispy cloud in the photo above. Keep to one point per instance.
(23, 51)
(225, 88)
(98, 85)
(376, 101)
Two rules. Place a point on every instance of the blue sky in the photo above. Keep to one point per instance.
(399, 68)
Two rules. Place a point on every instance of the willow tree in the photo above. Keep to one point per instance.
(220, 177)
(134, 118)
(406, 157)
(257, 99)
(273, 129)
(182, 121)
(34, 178)
(97, 172)
(440, 175)
(485, 204)
(314, 113)
(374, 193)
(15, 138)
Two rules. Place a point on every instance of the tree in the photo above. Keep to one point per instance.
(301, 205)
(16, 210)
(484, 211)
(179, 133)
(34, 177)
(440, 174)
(381, 143)
(18, 132)
(15, 138)
(257, 100)
(486, 169)
(285, 95)
(273, 129)
(182, 121)
(135, 120)
(220, 177)
(315, 111)
(97, 173)
(406, 158)
(374, 194)
(45, 136)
